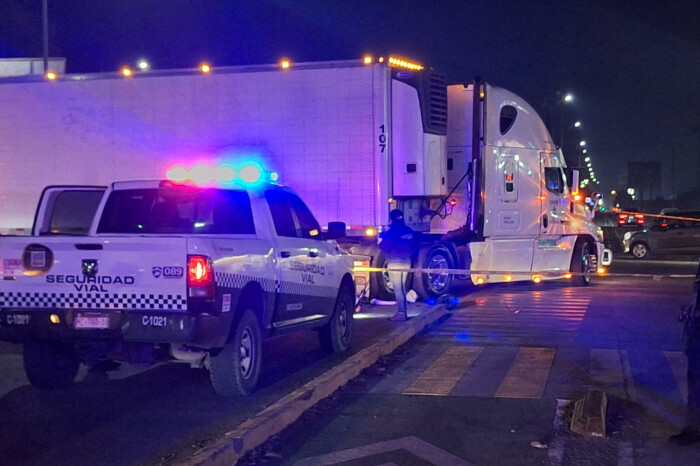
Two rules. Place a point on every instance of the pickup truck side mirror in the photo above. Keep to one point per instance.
(336, 230)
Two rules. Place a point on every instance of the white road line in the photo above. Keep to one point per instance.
(414, 445)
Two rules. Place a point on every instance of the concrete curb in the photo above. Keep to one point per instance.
(281, 414)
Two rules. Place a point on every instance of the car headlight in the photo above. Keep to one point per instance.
(627, 236)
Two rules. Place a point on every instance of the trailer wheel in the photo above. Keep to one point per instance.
(580, 264)
(235, 370)
(335, 336)
(379, 285)
(50, 365)
(432, 285)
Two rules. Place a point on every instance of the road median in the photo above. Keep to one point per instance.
(281, 414)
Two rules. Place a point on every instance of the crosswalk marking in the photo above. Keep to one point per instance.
(442, 376)
(528, 374)
(516, 318)
(679, 367)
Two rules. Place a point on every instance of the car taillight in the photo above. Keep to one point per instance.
(639, 218)
(622, 219)
(200, 278)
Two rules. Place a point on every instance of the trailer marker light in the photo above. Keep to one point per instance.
(205, 68)
(50, 75)
(55, 319)
(537, 278)
(370, 232)
(601, 270)
(126, 72)
(404, 64)
(508, 278)
(367, 60)
(480, 280)
(453, 202)
(567, 275)
(285, 64)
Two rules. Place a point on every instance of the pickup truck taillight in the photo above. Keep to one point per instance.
(200, 278)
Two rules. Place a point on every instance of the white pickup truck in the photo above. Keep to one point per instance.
(143, 271)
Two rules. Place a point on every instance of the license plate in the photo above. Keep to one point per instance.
(91, 322)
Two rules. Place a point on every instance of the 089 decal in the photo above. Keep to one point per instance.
(168, 271)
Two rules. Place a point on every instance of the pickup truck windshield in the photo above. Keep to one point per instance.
(177, 210)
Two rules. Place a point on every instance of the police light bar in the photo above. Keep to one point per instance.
(202, 174)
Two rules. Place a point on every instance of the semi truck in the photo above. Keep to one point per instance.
(472, 165)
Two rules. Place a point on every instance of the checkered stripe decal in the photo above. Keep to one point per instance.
(302, 289)
(237, 281)
(29, 300)
(234, 280)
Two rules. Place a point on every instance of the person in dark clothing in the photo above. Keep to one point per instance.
(691, 333)
(398, 245)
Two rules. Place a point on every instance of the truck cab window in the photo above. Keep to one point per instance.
(177, 211)
(307, 222)
(508, 115)
(281, 210)
(554, 179)
(73, 212)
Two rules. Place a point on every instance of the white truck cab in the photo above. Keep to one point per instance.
(200, 273)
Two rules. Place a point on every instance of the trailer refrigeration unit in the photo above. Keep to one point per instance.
(354, 138)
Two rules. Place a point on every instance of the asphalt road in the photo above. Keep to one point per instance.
(157, 415)
(495, 382)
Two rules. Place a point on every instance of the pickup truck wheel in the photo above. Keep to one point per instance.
(235, 370)
(335, 336)
(50, 365)
(580, 264)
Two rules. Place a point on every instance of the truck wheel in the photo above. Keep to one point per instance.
(235, 370)
(433, 285)
(379, 285)
(50, 365)
(335, 336)
(580, 264)
(640, 251)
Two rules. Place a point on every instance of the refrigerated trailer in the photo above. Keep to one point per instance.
(473, 166)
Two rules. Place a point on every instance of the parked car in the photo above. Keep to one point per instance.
(630, 217)
(666, 236)
(612, 233)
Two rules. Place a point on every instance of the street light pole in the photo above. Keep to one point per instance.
(45, 21)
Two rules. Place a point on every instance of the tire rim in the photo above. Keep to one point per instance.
(343, 327)
(639, 251)
(438, 281)
(246, 352)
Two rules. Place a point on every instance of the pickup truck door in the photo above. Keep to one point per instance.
(67, 210)
(307, 282)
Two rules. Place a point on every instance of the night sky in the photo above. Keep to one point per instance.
(633, 66)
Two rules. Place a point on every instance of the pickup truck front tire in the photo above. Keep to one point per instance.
(235, 370)
(50, 365)
(335, 336)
